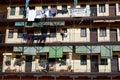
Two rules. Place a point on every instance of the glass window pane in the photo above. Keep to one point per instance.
(104, 62)
(20, 33)
(12, 11)
(64, 7)
(83, 32)
(83, 59)
(44, 31)
(53, 32)
(10, 34)
(102, 8)
(21, 12)
(102, 32)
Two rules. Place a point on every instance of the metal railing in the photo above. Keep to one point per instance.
(58, 67)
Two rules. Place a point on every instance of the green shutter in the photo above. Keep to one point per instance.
(106, 51)
(55, 52)
(67, 49)
(17, 49)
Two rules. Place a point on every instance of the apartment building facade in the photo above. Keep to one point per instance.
(80, 39)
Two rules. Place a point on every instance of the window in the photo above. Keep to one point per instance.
(104, 62)
(53, 6)
(12, 11)
(10, 34)
(64, 32)
(20, 33)
(21, 12)
(29, 24)
(83, 32)
(53, 32)
(119, 7)
(83, 6)
(102, 32)
(102, 8)
(44, 31)
(44, 7)
(64, 7)
(42, 57)
(18, 57)
(32, 7)
(63, 60)
(83, 59)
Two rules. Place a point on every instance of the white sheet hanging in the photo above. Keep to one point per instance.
(31, 15)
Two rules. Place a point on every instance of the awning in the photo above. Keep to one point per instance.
(38, 49)
(42, 49)
(87, 49)
(19, 23)
(106, 51)
(41, 24)
(29, 50)
(116, 48)
(82, 49)
(67, 49)
(17, 49)
(55, 52)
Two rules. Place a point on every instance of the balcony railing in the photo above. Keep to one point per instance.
(60, 67)
(72, 37)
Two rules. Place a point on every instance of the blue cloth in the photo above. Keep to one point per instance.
(25, 36)
(44, 64)
(27, 3)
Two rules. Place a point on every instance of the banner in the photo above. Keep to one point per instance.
(78, 12)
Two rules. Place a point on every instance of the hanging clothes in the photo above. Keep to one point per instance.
(25, 36)
(31, 15)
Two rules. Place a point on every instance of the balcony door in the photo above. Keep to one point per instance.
(28, 65)
(114, 64)
(93, 35)
(112, 11)
(94, 63)
(113, 35)
(93, 9)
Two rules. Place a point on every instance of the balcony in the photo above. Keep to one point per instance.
(62, 74)
(70, 38)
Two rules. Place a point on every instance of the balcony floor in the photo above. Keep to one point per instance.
(59, 76)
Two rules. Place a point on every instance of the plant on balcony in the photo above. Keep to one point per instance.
(8, 60)
(19, 61)
(62, 62)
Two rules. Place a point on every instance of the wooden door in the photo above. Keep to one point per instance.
(93, 9)
(93, 35)
(94, 63)
(114, 64)
(28, 65)
(112, 11)
(113, 35)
